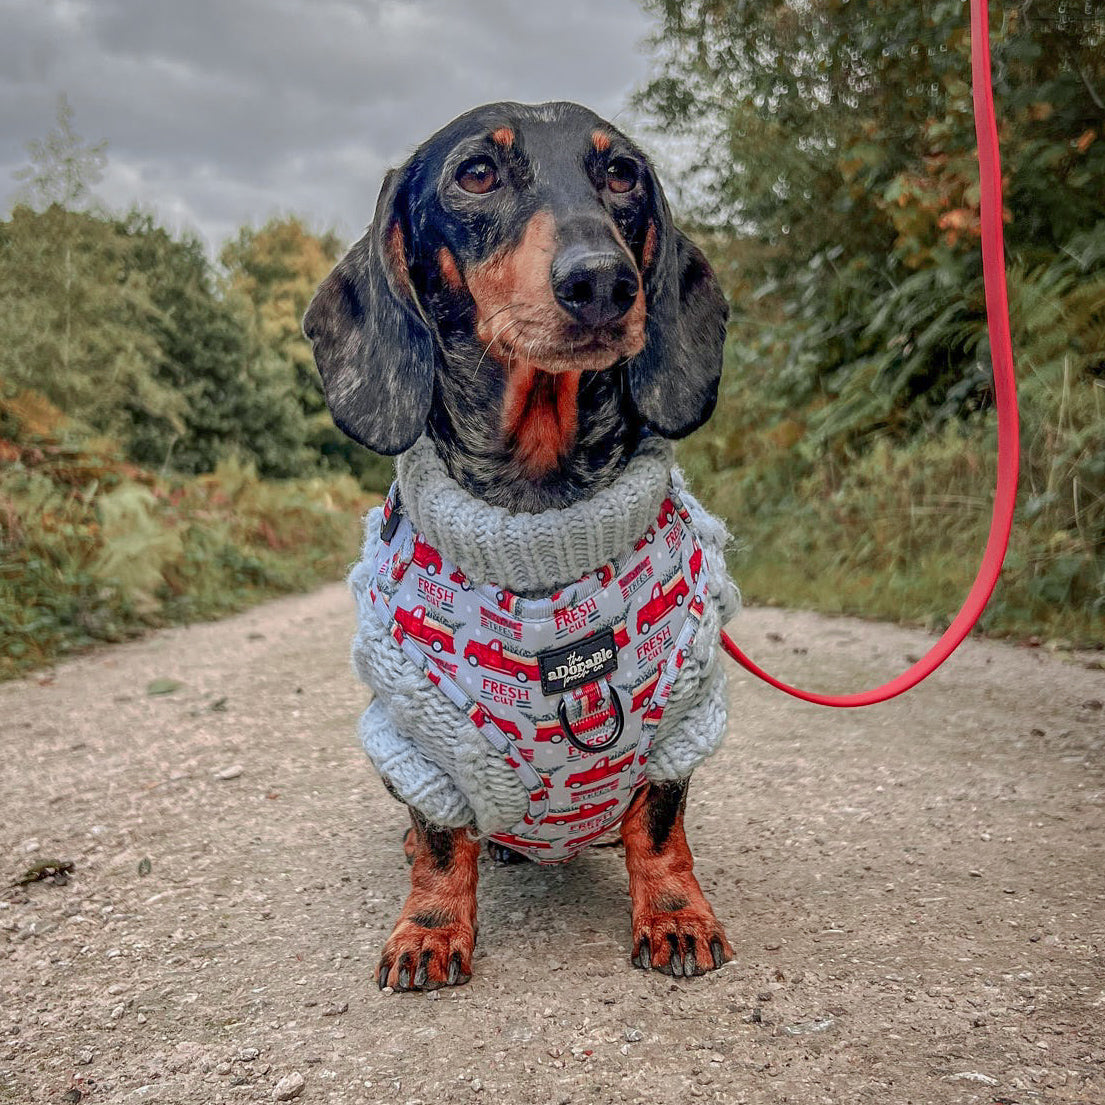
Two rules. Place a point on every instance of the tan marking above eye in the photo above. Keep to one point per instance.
(600, 140)
(504, 136)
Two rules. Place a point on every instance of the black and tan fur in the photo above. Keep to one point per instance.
(523, 298)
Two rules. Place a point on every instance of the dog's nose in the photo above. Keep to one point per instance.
(594, 286)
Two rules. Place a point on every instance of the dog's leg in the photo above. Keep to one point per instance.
(431, 944)
(674, 928)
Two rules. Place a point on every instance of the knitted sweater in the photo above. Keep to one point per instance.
(427, 750)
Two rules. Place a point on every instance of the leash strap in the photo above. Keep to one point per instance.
(1005, 391)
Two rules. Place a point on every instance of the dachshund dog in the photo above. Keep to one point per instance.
(523, 299)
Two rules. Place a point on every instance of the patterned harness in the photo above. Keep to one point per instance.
(569, 689)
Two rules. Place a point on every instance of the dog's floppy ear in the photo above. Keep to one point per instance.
(372, 346)
(674, 380)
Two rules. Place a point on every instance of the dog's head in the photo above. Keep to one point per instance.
(528, 242)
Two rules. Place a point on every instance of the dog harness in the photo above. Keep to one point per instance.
(569, 689)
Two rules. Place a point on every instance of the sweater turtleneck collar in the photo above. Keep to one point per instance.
(533, 553)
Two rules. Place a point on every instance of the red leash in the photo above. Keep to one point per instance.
(1005, 391)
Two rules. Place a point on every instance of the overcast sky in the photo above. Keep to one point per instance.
(220, 113)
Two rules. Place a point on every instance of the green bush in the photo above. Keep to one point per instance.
(96, 549)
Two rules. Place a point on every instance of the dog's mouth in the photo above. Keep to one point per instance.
(520, 341)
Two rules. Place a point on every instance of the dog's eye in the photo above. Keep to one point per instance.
(478, 176)
(622, 175)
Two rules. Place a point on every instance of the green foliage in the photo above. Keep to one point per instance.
(237, 396)
(63, 166)
(76, 322)
(94, 548)
(161, 455)
(854, 436)
(275, 271)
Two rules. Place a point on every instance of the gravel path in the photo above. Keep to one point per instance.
(915, 892)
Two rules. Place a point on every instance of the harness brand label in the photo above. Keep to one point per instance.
(578, 663)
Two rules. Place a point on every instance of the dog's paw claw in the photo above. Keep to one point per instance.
(669, 942)
(675, 960)
(456, 972)
(421, 957)
(690, 965)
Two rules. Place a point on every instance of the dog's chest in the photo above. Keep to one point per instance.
(569, 689)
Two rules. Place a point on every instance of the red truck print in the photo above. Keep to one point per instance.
(426, 557)
(667, 513)
(548, 732)
(695, 563)
(415, 624)
(584, 813)
(663, 598)
(460, 579)
(642, 693)
(600, 769)
(518, 843)
(493, 657)
(508, 727)
(481, 717)
(594, 834)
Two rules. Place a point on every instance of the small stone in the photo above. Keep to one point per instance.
(163, 686)
(633, 1035)
(248, 1054)
(231, 772)
(289, 1087)
(85, 1057)
(338, 1008)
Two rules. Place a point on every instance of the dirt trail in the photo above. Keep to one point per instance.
(916, 892)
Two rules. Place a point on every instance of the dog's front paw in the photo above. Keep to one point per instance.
(425, 951)
(679, 939)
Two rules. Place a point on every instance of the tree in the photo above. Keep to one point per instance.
(837, 142)
(276, 269)
(836, 179)
(76, 326)
(63, 168)
(235, 395)
(76, 321)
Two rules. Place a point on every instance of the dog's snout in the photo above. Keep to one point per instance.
(596, 287)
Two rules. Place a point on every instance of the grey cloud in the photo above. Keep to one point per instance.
(221, 113)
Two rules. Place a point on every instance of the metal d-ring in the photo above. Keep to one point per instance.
(619, 723)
